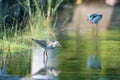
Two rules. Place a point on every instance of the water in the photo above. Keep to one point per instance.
(77, 59)
(74, 59)
(17, 64)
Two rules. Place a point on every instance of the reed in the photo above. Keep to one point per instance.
(14, 40)
(40, 24)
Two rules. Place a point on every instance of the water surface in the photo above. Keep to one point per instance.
(73, 58)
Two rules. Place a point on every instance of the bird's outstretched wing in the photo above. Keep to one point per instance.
(42, 43)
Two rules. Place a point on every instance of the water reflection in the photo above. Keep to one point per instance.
(18, 63)
(93, 62)
(3, 70)
(41, 70)
(13, 66)
(46, 73)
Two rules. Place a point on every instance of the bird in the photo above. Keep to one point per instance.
(47, 45)
(93, 62)
(94, 18)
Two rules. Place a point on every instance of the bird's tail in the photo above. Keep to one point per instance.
(34, 40)
(101, 15)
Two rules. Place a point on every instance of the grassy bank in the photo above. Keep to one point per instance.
(15, 44)
(39, 25)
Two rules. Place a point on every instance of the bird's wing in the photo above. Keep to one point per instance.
(94, 15)
(97, 19)
(42, 43)
(50, 43)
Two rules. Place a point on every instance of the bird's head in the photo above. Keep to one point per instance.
(56, 43)
(88, 16)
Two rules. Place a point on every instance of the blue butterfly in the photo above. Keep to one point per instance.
(94, 18)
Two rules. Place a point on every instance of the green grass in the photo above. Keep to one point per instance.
(39, 25)
(15, 44)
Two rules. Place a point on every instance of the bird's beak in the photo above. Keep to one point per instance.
(60, 45)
